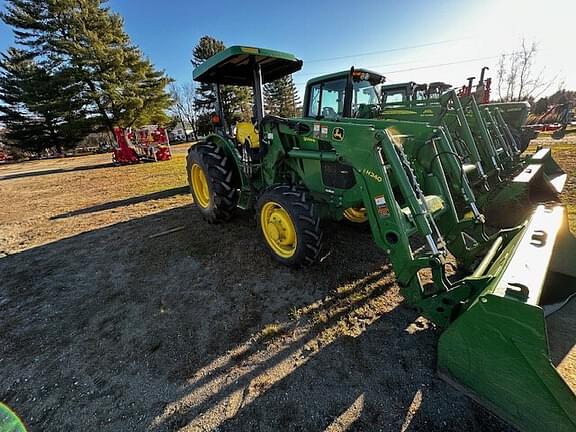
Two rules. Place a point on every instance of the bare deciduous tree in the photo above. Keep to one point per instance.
(516, 78)
(183, 107)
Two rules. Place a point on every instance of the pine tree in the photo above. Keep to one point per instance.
(121, 86)
(42, 108)
(236, 101)
(281, 97)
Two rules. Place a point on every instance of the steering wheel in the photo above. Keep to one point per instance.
(328, 112)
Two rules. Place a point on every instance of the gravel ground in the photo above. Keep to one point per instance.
(107, 326)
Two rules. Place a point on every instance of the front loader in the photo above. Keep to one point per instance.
(404, 177)
(490, 139)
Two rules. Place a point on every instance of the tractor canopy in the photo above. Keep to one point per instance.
(235, 66)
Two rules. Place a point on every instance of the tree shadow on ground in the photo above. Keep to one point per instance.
(54, 171)
(125, 202)
(112, 330)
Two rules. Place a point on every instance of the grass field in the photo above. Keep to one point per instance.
(123, 310)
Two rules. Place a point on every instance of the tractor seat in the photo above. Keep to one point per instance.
(246, 132)
(434, 203)
(365, 111)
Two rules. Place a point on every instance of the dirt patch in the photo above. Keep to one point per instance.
(105, 328)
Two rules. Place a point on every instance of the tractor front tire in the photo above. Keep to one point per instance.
(289, 225)
(211, 176)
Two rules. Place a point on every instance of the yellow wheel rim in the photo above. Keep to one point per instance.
(356, 215)
(9, 421)
(278, 229)
(200, 186)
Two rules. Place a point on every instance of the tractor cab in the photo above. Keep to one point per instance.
(398, 94)
(360, 93)
(244, 66)
(395, 94)
(348, 94)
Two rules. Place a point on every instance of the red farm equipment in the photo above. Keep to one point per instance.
(150, 143)
(5, 156)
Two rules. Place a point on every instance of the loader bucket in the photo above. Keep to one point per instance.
(554, 174)
(513, 204)
(497, 351)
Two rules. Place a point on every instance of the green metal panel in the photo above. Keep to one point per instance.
(335, 75)
(514, 113)
(233, 66)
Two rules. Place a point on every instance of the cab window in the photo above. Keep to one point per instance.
(420, 95)
(314, 105)
(395, 96)
(365, 96)
(327, 99)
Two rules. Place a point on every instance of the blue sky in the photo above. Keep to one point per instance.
(460, 36)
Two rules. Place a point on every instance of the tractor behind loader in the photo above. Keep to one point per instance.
(345, 158)
(490, 140)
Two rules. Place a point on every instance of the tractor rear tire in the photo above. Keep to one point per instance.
(212, 180)
(289, 225)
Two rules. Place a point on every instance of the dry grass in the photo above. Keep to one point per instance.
(162, 176)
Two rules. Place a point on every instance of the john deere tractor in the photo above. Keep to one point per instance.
(409, 179)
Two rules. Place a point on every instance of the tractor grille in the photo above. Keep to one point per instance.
(335, 174)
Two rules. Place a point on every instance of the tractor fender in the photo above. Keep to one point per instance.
(231, 151)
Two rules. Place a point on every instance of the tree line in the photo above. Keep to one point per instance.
(74, 71)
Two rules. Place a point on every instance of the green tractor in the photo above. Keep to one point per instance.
(404, 177)
(489, 138)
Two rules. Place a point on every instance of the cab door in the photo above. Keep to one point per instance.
(326, 102)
